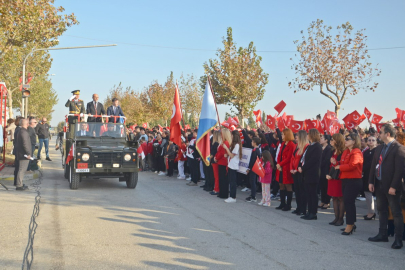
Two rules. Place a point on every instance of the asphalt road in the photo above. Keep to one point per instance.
(165, 224)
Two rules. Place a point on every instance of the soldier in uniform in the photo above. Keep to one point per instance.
(76, 106)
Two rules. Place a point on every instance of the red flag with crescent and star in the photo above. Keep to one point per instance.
(258, 168)
(296, 126)
(175, 128)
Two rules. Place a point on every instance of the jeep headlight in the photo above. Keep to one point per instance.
(85, 157)
(127, 157)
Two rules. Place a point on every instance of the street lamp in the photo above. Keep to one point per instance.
(24, 105)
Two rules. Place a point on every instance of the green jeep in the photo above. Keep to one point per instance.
(97, 150)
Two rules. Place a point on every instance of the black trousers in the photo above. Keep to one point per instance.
(351, 188)
(223, 182)
(232, 175)
(312, 197)
(394, 202)
(194, 169)
(209, 177)
(16, 168)
(171, 167)
(300, 195)
(253, 180)
(323, 186)
(161, 166)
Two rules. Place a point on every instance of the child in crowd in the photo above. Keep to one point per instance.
(252, 176)
(181, 156)
(171, 153)
(268, 165)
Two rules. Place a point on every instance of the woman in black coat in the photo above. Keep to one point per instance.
(368, 154)
(311, 170)
(325, 166)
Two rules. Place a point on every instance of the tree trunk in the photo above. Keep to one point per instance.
(10, 104)
(242, 121)
(337, 109)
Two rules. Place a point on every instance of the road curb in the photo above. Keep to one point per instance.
(27, 177)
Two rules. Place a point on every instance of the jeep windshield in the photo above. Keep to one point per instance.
(97, 130)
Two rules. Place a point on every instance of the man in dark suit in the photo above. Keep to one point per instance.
(83, 130)
(114, 110)
(386, 181)
(95, 108)
(23, 153)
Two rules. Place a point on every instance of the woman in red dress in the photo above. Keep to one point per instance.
(335, 185)
(283, 175)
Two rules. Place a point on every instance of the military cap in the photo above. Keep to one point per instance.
(76, 92)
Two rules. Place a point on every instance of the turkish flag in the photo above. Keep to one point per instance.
(318, 126)
(187, 127)
(232, 121)
(379, 126)
(258, 168)
(376, 119)
(232, 128)
(145, 125)
(356, 116)
(396, 122)
(288, 120)
(71, 154)
(258, 115)
(400, 115)
(225, 124)
(280, 106)
(309, 124)
(140, 152)
(334, 127)
(296, 126)
(175, 128)
(281, 123)
(271, 122)
(349, 121)
(331, 115)
(361, 119)
(367, 113)
(236, 119)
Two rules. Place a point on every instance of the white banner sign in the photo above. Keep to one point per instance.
(244, 162)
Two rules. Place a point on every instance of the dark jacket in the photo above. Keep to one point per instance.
(214, 149)
(95, 111)
(311, 169)
(392, 167)
(118, 112)
(255, 154)
(367, 160)
(33, 135)
(325, 162)
(42, 131)
(247, 143)
(171, 151)
(23, 144)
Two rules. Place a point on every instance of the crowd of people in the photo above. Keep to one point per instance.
(315, 168)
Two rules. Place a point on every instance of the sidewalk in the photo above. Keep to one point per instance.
(7, 174)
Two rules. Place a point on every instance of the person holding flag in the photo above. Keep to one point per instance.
(208, 120)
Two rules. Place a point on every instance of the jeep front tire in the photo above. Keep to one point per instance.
(131, 179)
(74, 178)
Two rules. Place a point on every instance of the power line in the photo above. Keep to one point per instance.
(209, 50)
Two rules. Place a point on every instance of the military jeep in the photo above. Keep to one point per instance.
(96, 150)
